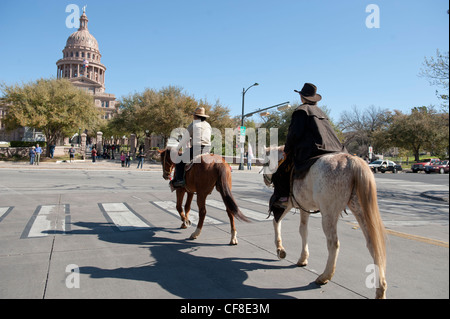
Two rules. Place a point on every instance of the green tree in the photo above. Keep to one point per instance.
(53, 106)
(164, 110)
(423, 129)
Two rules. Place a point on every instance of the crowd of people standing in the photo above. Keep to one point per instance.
(110, 152)
(126, 157)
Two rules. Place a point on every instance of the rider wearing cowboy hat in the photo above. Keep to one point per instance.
(310, 135)
(200, 139)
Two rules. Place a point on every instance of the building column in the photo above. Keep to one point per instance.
(99, 143)
(147, 146)
(132, 142)
(83, 146)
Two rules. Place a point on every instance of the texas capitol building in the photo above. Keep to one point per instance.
(81, 65)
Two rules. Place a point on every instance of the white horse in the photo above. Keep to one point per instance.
(334, 182)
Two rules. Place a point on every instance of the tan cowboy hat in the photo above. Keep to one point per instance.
(309, 92)
(200, 111)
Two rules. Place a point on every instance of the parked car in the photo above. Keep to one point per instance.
(384, 165)
(420, 166)
(440, 167)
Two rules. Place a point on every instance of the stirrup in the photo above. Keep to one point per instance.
(178, 184)
(281, 204)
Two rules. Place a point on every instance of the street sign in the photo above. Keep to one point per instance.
(242, 130)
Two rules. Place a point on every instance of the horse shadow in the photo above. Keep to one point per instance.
(175, 266)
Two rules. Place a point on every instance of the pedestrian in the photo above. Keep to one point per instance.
(128, 159)
(32, 154)
(71, 153)
(38, 151)
(122, 158)
(94, 154)
(52, 150)
(140, 156)
(249, 157)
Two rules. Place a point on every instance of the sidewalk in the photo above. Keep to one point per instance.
(81, 164)
(100, 164)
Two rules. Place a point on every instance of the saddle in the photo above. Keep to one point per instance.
(196, 159)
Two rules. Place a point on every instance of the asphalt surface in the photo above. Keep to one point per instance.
(113, 232)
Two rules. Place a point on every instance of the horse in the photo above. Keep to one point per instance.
(335, 181)
(211, 171)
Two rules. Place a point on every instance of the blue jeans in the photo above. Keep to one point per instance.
(141, 162)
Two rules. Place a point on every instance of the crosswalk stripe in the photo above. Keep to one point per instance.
(123, 217)
(171, 207)
(45, 221)
(247, 212)
(4, 211)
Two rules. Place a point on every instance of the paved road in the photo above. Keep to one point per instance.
(83, 232)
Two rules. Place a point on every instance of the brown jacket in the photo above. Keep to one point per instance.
(310, 134)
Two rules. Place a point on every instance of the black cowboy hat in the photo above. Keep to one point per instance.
(309, 93)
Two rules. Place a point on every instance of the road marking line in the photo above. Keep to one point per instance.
(171, 207)
(123, 217)
(4, 211)
(247, 212)
(266, 203)
(45, 221)
(421, 239)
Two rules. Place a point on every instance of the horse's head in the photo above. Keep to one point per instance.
(166, 162)
(273, 155)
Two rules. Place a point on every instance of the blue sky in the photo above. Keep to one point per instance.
(213, 49)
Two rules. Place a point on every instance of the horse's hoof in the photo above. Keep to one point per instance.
(233, 242)
(281, 253)
(302, 264)
(321, 280)
(186, 224)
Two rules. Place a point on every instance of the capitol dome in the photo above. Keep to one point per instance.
(82, 58)
(82, 39)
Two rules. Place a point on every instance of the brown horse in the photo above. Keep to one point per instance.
(212, 171)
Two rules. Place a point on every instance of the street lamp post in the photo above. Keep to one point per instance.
(241, 164)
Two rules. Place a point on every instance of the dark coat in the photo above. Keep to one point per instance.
(310, 134)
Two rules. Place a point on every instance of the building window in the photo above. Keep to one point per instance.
(82, 55)
(77, 54)
(71, 54)
(89, 55)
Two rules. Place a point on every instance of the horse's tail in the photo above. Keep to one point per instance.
(223, 186)
(366, 190)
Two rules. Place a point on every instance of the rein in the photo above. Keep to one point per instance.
(167, 172)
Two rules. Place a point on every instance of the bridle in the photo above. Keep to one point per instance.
(167, 172)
